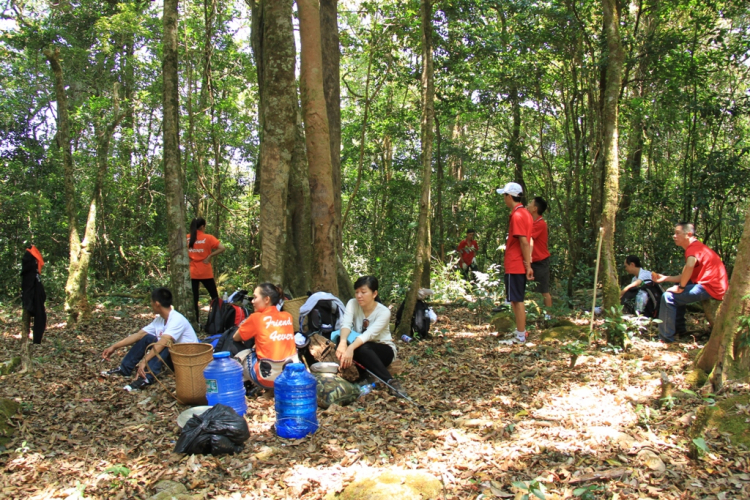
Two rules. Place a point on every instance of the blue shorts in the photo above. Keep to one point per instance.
(516, 284)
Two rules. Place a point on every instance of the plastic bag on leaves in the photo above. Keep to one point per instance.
(217, 431)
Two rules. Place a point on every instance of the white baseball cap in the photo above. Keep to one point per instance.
(511, 188)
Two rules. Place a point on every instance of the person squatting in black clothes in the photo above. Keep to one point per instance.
(32, 291)
(201, 248)
(368, 319)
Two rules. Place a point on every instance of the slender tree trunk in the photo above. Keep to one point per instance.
(279, 126)
(439, 204)
(76, 302)
(428, 124)
(726, 354)
(318, 149)
(256, 40)
(611, 159)
(298, 265)
(179, 264)
(516, 149)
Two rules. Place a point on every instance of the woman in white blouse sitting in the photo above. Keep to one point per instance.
(373, 347)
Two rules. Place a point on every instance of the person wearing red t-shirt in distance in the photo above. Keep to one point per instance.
(517, 256)
(201, 248)
(467, 250)
(703, 277)
(273, 331)
(539, 251)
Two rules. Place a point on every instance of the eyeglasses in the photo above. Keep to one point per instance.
(365, 324)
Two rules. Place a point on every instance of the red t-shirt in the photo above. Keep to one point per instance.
(709, 271)
(273, 331)
(202, 248)
(520, 224)
(468, 256)
(539, 235)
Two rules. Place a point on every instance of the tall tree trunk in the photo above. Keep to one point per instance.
(279, 125)
(318, 149)
(329, 29)
(428, 124)
(439, 204)
(615, 59)
(256, 41)
(516, 149)
(76, 302)
(725, 355)
(179, 264)
(298, 265)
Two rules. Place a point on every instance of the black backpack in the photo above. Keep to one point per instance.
(321, 319)
(224, 315)
(420, 322)
(653, 299)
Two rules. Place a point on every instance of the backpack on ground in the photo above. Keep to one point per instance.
(223, 315)
(645, 300)
(420, 320)
(225, 342)
(321, 319)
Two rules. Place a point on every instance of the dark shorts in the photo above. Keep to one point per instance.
(541, 275)
(516, 284)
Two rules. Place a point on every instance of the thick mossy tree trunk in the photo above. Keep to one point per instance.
(428, 127)
(315, 115)
(179, 264)
(76, 302)
(279, 110)
(727, 354)
(615, 59)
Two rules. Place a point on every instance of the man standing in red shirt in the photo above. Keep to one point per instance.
(539, 251)
(703, 277)
(517, 256)
(467, 250)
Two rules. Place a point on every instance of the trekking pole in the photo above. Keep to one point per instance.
(401, 394)
(596, 281)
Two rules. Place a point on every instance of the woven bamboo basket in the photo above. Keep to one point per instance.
(293, 306)
(189, 360)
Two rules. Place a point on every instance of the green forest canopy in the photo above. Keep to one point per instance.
(684, 118)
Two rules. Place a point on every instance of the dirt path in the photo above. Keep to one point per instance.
(497, 415)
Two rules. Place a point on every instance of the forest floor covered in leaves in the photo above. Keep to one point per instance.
(497, 414)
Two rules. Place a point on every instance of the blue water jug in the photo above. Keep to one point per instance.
(296, 402)
(224, 383)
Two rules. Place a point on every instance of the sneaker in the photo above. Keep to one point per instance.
(518, 338)
(396, 384)
(137, 385)
(115, 371)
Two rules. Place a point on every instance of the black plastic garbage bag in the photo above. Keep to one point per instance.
(217, 431)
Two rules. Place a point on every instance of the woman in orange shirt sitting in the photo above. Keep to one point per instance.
(201, 248)
(273, 331)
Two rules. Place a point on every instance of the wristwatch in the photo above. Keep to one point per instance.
(680, 287)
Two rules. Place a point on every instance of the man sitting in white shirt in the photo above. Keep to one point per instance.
(168, 327)
(633, 266)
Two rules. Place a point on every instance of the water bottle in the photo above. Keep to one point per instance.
(224, 383)
(225, 297)
(406, 338)
(296, 402)
(641, 299)
(366, 389)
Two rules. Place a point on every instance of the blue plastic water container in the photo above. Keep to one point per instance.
(224, 383)
(296, 402)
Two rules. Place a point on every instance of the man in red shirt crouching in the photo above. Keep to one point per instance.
(703, 277)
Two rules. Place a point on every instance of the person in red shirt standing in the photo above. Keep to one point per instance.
(517, 256)
(703, 277)
(539, 251)
(467, 250)
(273, 331)
(202, 248)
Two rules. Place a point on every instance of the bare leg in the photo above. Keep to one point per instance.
(519, 310)
(547, 299)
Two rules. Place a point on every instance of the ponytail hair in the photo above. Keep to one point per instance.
(194, 225)
(273, 292)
